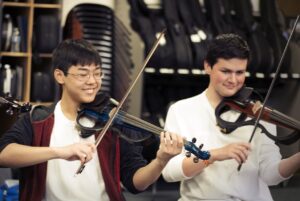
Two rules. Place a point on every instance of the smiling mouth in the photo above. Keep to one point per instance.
(89, 90)
(230, 87)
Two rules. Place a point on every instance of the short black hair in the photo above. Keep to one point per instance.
(227, 46)
(74, 52)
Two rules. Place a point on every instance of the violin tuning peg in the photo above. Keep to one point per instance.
(200, 147)
(188, 154)
(194, 140)
(10, 112)
(196, 160)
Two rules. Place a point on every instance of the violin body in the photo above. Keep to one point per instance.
(249, 108)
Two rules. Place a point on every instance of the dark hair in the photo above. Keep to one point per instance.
(74, 52)
(227, 46)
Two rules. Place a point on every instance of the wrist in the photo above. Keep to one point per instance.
(161, 163)
(213, 156)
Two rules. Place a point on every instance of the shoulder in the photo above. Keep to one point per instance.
(41, 112)
(188, 103)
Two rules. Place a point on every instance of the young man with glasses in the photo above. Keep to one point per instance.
(47, 147)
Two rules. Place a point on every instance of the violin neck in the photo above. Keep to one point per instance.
(132, 120)
(284, 120)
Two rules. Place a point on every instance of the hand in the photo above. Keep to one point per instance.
(82, 151)
(237, 151)
(170, 145)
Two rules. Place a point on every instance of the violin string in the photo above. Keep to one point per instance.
(140, 123)
(144, 124)
(283, 118)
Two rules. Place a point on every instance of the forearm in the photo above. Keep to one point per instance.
(16, 155)
(289, 166)
(191, 168)
(147, 175)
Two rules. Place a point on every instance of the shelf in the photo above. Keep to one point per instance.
(15, 54)
(23, 14)
(41, 5)
(15, 4)
(45, 55)
(195, 72)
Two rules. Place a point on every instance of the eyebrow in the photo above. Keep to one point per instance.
(228, 69)
(86, 69)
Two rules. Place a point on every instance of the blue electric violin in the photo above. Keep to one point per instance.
(91, 121)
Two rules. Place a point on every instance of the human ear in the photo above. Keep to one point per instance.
(207, 67)
(59, 76)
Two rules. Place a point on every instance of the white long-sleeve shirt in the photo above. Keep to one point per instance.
(195, 117)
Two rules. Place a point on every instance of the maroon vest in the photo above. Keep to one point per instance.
(33, 179)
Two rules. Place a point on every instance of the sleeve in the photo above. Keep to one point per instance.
(131, 160)
(21, 132)
(173, 171)
(270, 158)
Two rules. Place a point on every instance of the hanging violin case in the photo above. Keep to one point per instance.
(262, 59)
(269, 18)
(218, 12)
(178, 34)
(196, 34)
(148, 23)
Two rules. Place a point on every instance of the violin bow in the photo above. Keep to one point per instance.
(113, 116)
(271, 85)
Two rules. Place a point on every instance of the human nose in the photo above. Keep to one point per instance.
(232, 77)
(92, 78)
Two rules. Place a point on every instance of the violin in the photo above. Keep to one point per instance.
(13, 106)
(249, 108)
(139, 130)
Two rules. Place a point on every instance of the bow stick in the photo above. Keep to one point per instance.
(271, 85)
(113, 116)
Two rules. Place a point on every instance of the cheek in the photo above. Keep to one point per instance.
(241, 79)
(220, 78)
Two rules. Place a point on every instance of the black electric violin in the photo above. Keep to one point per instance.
(12, 106)
(91, 121)
(248, 107)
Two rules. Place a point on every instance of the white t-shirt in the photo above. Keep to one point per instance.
(61, 182)
(195, 117)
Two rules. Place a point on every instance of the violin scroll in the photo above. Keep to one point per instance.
(196, 151)
(13, 106)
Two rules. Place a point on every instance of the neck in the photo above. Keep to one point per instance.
(69, 107)
(213, 97)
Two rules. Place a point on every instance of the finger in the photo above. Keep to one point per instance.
(168, 139)
(241, 154)
(237, 158)
(162, 138)
(174, 139)
(83, 157)
(246, 146)
(244, 152)
(179, 142)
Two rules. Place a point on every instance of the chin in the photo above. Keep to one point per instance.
(229, 93)
(88, 99)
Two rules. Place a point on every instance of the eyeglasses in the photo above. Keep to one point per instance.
(85, 76)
